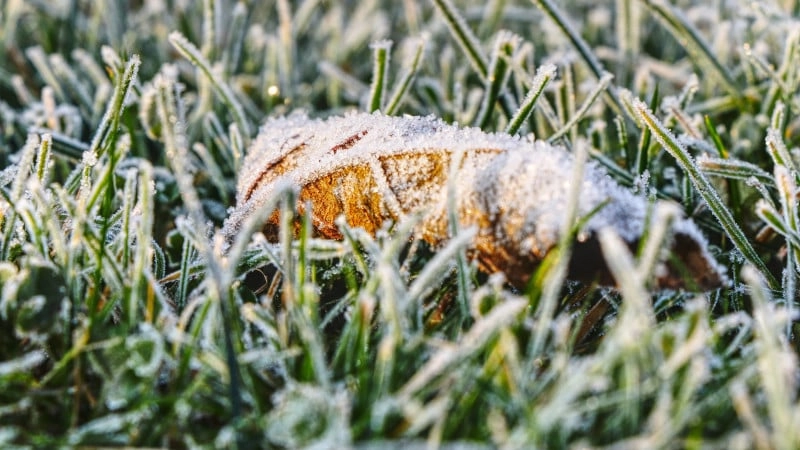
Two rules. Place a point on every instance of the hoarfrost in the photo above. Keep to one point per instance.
(641, 184)
(371, 168)
(89, 158)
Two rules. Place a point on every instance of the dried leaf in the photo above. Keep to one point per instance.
(372, 168)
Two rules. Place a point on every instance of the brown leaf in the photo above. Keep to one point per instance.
(371, 169)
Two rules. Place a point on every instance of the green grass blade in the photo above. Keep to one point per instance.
(703, 186)
(543, 76)
(643, 151)
(715, 138)
(402, 85)
(504, 48)
(381, 51)
(734, 169)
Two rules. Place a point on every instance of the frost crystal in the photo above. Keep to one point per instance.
(371, 168)
(89, 158)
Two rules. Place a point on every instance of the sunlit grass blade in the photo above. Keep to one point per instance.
(543, 76)
(143, 255)
(788, 192)
(404, 83)
(13, 197)
(381, 51)
(104, 140)
(628, 32)
(123, 82)
(643, 150)
(505, 45)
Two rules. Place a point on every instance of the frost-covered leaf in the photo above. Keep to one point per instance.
(372, 168)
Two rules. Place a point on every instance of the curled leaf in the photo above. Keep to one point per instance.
(371, 168)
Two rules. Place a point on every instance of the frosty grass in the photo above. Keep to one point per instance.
(127, 318)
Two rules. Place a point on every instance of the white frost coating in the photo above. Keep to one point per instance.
(513, 190)
(525, 182)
